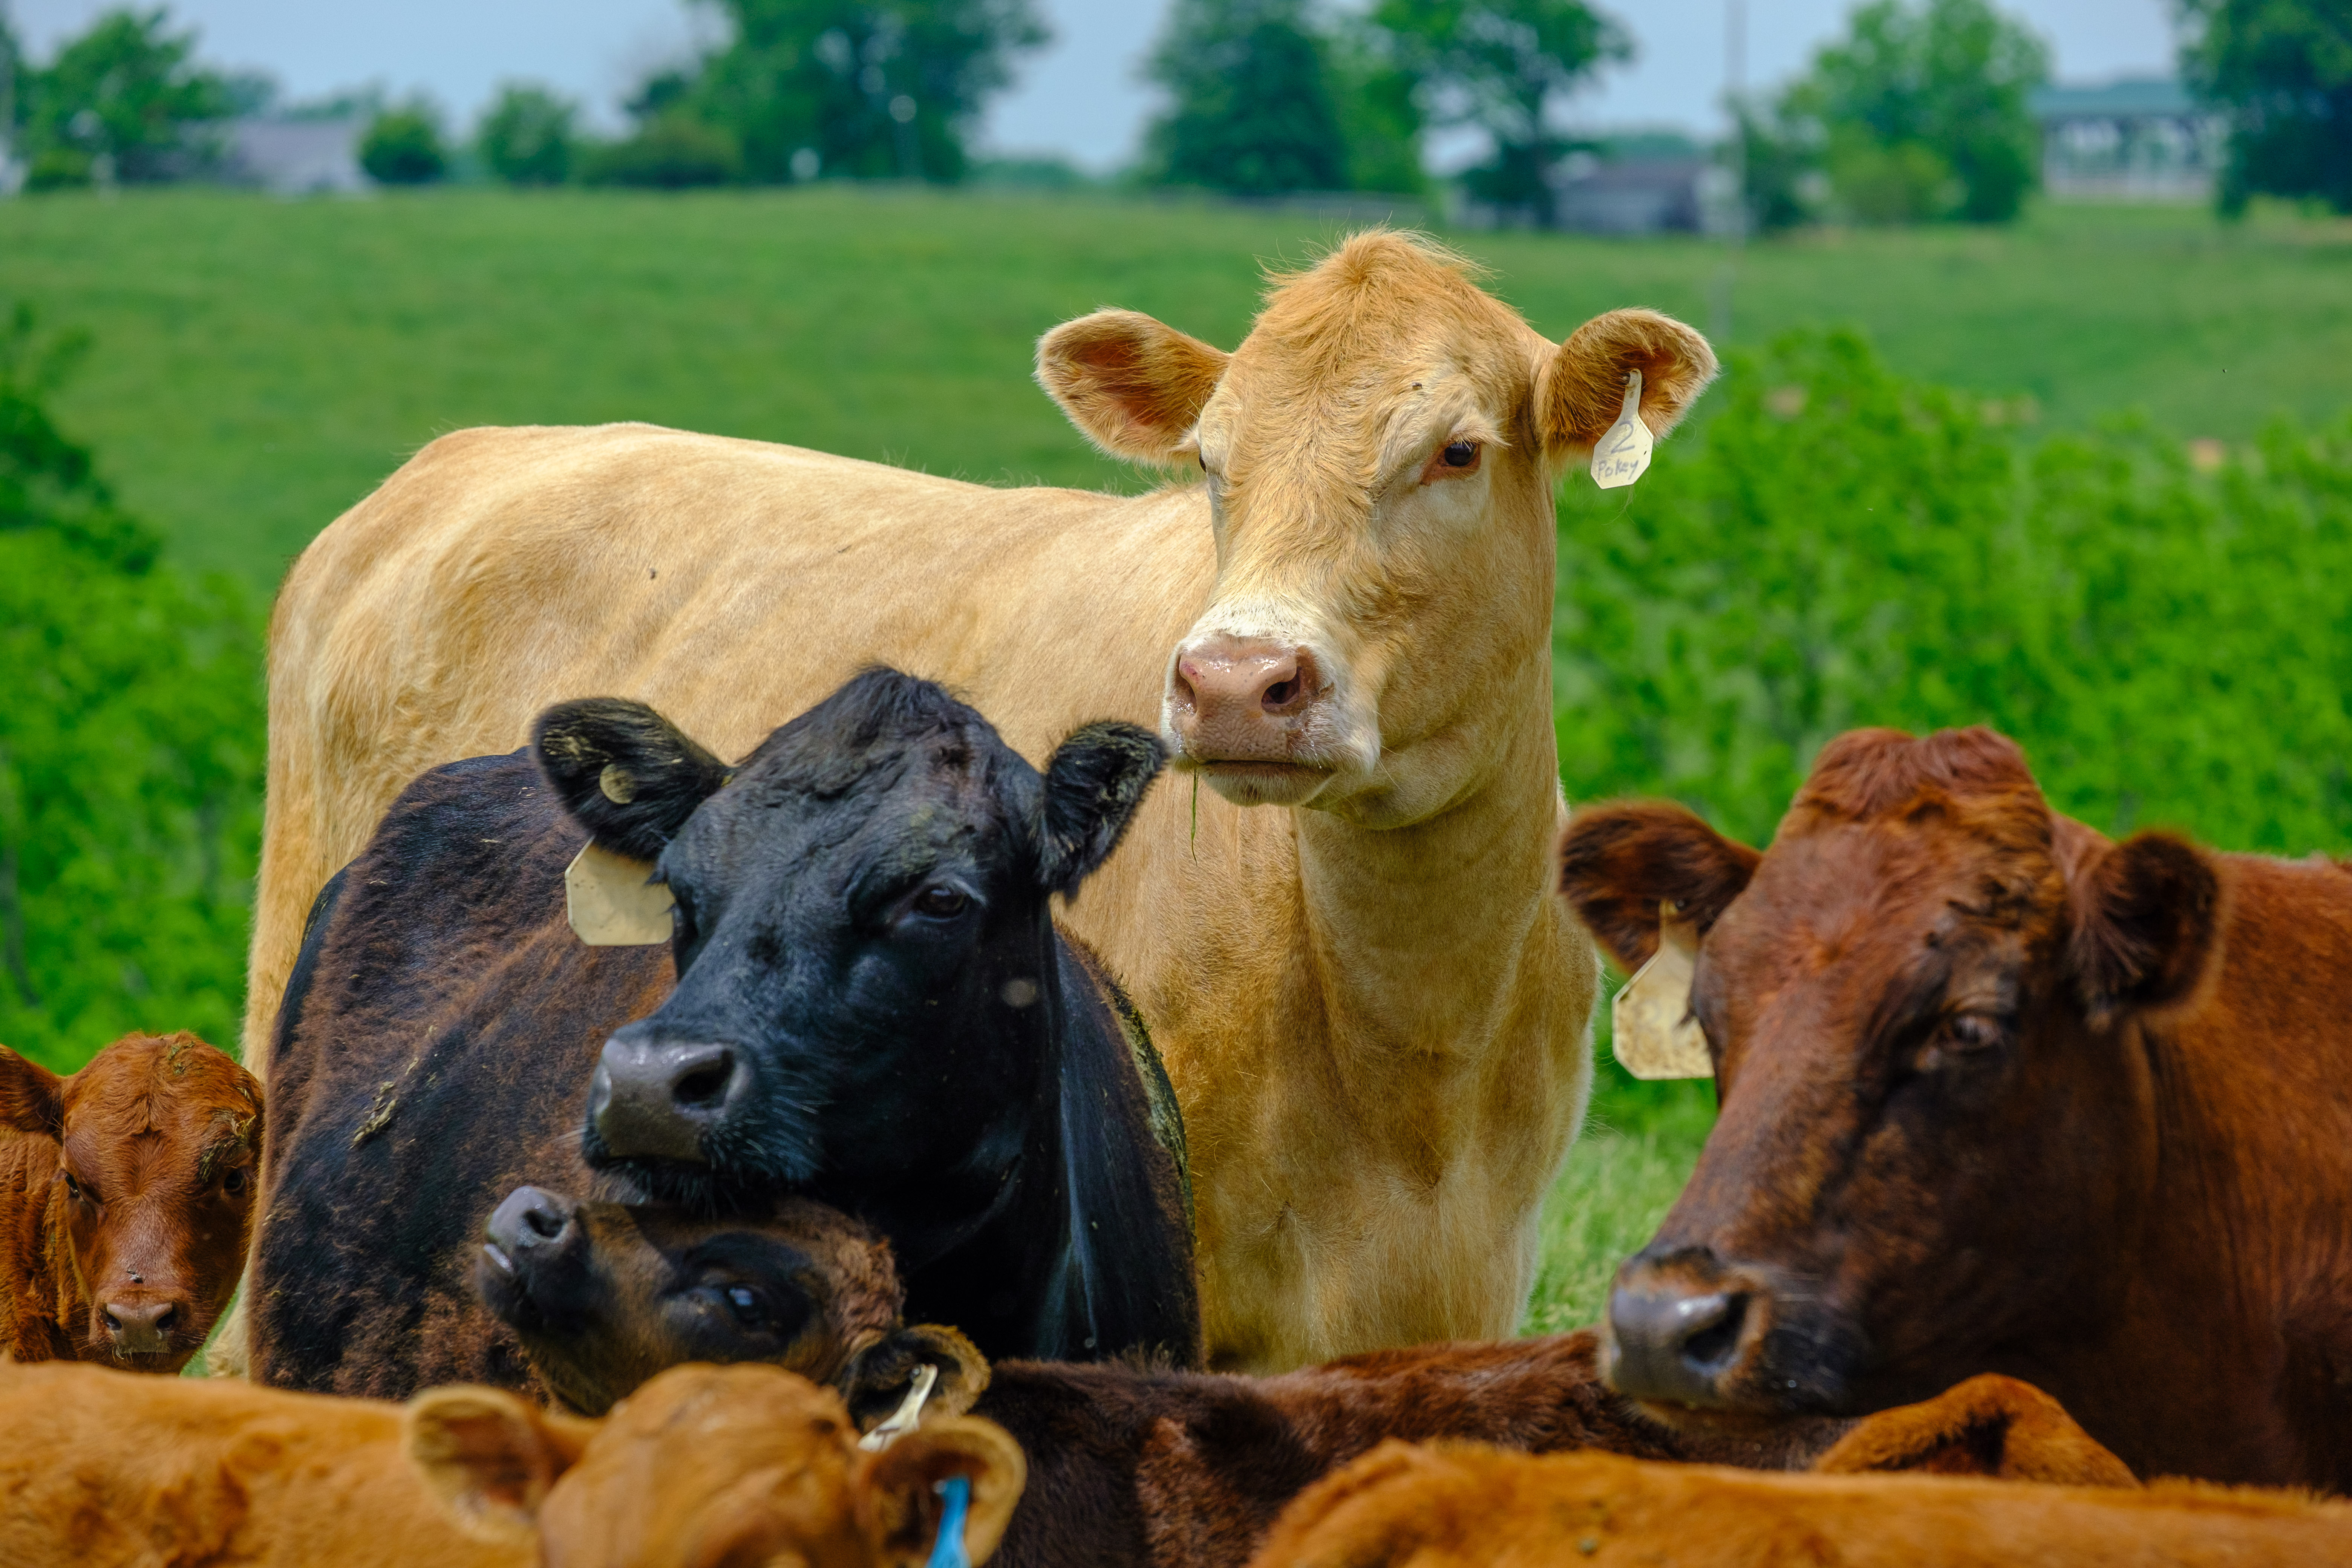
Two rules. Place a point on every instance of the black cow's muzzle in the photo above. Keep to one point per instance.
(658, 1100)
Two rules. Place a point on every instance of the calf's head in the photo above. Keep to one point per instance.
(149, 1203)
(866, 973)
(707, 1467)
(1379, 456)
(604, 1296)
(1929, 1006)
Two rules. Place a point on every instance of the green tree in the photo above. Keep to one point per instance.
(123, 101)
(1504, 67)
(403, 146)
(526, 136)
(2285, 70)
(1921, 115)
(863, 88)
(1252, 109)
(130, 752)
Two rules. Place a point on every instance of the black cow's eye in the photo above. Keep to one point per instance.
(749, 1309)
(941, 901)
(1461, 454)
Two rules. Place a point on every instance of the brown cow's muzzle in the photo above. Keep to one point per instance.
(1237, 703)
(143, 1323)
(1686, 1329)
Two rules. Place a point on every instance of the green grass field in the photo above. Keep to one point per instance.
(260, 366)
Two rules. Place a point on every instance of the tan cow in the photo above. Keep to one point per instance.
(1375, 1015)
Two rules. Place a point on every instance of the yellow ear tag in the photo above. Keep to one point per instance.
(1653, 1034)
(609, 903)
(1623, 455)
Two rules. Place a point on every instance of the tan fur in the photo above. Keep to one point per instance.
(1373, 1013)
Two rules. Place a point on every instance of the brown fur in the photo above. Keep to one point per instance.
(2002, 1096)
(99, 1471)
(1460, 1504)
(1374, 1015)
(162, 1136)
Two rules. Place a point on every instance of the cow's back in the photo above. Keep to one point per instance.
(436, 1055)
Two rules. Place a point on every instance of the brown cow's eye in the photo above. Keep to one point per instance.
(1974, 1032)
(1461, 454)
(746, 1307)
(76, 1191)
(234, 1182)
(941, 901)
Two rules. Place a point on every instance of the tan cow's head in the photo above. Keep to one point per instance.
(1380, 455)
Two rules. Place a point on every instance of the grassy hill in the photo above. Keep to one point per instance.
(260, 364)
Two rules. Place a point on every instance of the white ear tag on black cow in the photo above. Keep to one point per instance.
(910, 1411)
(1623, 455)
(609, 903)
(1652, 1032)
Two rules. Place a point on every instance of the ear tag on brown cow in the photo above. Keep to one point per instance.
(903, 1419)
(609, 903)
(1653, 1034)
(1623, 455)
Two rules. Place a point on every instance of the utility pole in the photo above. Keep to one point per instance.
(1735, 94)
(8, 171)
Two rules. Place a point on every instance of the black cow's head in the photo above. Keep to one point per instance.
(867, 975)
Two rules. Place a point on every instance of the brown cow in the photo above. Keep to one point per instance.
(1458, 1505)
(704, 1467)
(1374, 1014)
(1999, 1095)
(1138, 1468)
(126, 1200)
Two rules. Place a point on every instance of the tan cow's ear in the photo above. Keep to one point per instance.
(1580, 386)
(490, 1457)
(32, 1098)
(899, 1504)
(1132, 387)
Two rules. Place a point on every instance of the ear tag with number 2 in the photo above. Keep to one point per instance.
(1623, 455)
(1652, 1032)
(609, 903)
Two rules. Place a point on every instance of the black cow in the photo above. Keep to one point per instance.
(866, 1002)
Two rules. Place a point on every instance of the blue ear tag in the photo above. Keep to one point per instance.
(948, 1551)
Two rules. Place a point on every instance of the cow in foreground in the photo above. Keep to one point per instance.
(866, 1002)
(1374, 1013)
(126, 1200)
(1462, 1506)
(703, 1468)
(1131, 1467)
(1998, 1095)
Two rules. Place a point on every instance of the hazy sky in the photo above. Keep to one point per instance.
(1080, 97)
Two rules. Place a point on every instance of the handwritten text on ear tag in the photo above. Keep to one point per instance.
(609, 903)
(1623, 455)
(1653, 1034)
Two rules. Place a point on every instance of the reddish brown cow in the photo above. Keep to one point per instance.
(1998, 1095)
(126, 1201)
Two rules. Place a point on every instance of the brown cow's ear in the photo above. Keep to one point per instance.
(877, 1380)
(899, 1504)
(1618, 863)
(2145, 916)
(624, 773)
(489, 1457)
(1988, 1426)
(1132, 387)
(32, 1098)
(1580, 386)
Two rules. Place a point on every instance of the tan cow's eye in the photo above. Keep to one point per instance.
(1461, 454)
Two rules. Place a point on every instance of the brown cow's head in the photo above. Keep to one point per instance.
(150, 1205)
(1925, 1006)
(1379, 455)
(708, 1466)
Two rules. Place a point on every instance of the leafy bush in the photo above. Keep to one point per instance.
(526, 138)
(671, 153)
(404, 147)
(2283, 68)
(124, 92)
(131, 753)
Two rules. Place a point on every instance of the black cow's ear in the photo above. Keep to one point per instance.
(624, 773)
(32, 1098)
(2145, 916)
(1093, 784)
(875, 1384)
(1619, 862)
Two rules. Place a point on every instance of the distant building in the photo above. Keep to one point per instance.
(2146, 139)
(296, 157)
(1637, 192)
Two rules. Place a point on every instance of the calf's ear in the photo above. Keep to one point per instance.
(1132, 387)
(32, 1098)
(1094, 782)
(488, 1458)
(878, 1378)
(1580, 386)
(1619, 862)
(898, 1505)
(624, 773)
(1988, 1426)
(2146, 915)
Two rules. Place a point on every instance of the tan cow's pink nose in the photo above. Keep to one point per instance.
(1241, 700)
